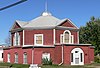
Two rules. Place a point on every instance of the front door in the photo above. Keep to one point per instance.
(77, 57)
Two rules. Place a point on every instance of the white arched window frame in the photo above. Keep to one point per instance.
(16, 57)
(16, 39)
(8, 57)
(77, 56)
(69, 36)
(25, 58)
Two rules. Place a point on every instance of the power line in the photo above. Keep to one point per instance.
(12, 5)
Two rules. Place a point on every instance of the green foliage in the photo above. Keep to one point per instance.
(97, 59)
(45, 61)
(90, 34)
(20, 65)
(14, 65)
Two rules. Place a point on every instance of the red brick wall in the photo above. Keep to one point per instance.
(67, 24)
(74, 33)
(20, 53)
(47, 36)
(86, 49)
(55, 54)
(91, 54)
(58, 32)
(58, 54)
(37, 54)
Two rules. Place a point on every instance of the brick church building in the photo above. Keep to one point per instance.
(47, 37)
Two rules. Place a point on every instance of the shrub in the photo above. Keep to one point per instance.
(97, 59)
(46, 61)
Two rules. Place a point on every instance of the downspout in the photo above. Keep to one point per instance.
(33, 55)
(54, 36)
(23, 37)
(62, 55)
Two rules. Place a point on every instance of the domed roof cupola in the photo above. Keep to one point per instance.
(46, 13)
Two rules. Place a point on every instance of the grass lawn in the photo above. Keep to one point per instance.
(6, 65)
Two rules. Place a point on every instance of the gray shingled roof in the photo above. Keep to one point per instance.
(21, 23)
(46, 20)
(43, 21)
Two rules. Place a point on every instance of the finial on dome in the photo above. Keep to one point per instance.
(46, 13)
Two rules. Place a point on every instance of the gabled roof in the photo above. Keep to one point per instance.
(21, 23)
(46, 20)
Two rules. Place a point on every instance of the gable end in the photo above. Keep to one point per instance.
(68, 23)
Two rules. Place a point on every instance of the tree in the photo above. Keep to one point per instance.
(91, 33)
(8, 40)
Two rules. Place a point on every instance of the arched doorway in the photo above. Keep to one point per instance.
(77, 56)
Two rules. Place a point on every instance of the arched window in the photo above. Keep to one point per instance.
(25, 58)
(66, 37)
(77, 56)
(16, 39)
(16, 58)
(8, 57)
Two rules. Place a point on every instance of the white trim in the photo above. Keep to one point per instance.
(77, 56)
(46, 55)
(24, 58)
(38, 46)
(32, 55)
(16, 56)
(62, 55)
(14, 40)
(54, 36)
(8, 57)
(23, 37)
(69, 36)
(61, 38)
(16, 43)
(35, 39)
(73, 23)
(72, 39)
(78, 36)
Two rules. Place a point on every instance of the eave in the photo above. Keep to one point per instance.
(15, 30)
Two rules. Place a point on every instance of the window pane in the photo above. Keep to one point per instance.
(2, 55)
(16, 39)
(39, 39)
(46, 55)
(72, 40)
(66, 37)
(25, 58)
(81, 57)
(61, 38)
(71, 57)
(16, 58)
(8, 57)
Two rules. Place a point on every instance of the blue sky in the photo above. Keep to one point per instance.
(79, 11)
